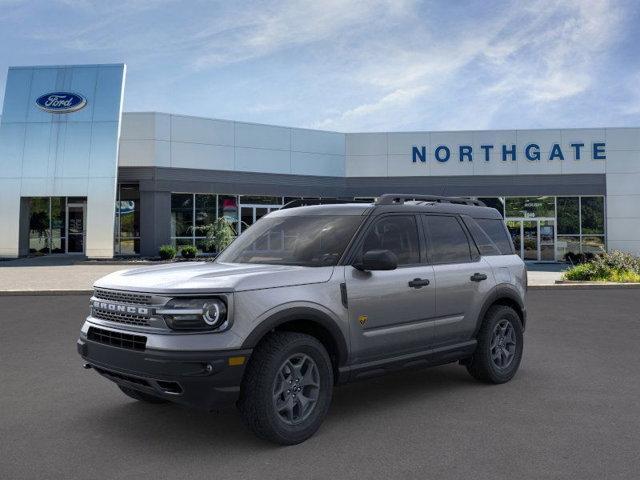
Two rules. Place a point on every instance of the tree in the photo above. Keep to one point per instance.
(219, 234)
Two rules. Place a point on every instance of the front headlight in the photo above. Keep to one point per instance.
(195, 313)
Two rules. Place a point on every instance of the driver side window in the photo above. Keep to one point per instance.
(397, 233)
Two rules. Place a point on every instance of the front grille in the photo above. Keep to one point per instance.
(123, 297)
(117, 339)
(126, 318)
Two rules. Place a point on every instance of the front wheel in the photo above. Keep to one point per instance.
(287, 388)
(500, 345)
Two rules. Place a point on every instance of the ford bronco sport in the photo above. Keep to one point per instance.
(313, 296)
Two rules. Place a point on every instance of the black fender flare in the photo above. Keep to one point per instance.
(300, 313)
(499, 292)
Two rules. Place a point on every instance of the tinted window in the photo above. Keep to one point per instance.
(398, 234)
(486, 246)
(448, 242)
(496, 231)
(310, 241)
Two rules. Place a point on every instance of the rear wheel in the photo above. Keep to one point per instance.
(500, 345)
(287, 388)
(141, 396)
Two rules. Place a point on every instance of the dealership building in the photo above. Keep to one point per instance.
(80, 176)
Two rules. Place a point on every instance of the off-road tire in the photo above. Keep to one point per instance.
(256, 403)
(141, 396)
(481, 365)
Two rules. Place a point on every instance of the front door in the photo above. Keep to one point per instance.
(387, 315)
(75, 227)
(534, 239)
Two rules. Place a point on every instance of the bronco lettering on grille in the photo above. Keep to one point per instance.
(117, 308)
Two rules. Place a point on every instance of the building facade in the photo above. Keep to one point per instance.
(559, 190)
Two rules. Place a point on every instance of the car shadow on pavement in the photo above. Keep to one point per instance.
(176, 427)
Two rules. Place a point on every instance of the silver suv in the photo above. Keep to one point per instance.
(310, 297)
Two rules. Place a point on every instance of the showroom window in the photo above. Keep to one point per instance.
(530, 207)
(47, 225)
(127, 227)
(57, 225)
(580, 225)
(189, 211)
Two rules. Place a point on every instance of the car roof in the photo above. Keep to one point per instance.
(473, 211)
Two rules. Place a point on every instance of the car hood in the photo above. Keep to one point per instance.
(210, 277)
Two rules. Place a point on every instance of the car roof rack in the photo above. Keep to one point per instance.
(400, 198)
(305, 202)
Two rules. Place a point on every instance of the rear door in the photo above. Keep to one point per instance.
(462, 278)
(391, 312)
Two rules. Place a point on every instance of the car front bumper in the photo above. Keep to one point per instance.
(204, 380)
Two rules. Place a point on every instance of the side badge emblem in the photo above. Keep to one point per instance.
(362, 319)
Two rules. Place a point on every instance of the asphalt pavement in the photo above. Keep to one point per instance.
(572, 411)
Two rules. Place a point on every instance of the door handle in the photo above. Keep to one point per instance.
(418, 283)
(478, 277)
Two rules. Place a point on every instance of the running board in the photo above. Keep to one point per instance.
(425, 358)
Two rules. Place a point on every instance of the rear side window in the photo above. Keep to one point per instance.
(485, 244)
(448, 242)
(496, 231)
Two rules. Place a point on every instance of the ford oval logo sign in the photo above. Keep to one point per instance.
(61, 102)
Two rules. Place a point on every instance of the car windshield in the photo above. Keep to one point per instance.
(310, 241)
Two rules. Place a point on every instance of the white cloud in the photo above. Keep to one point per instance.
(533, 53)
(350, 64)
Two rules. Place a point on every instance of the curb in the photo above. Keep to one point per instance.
(585, 286)
(40, 293)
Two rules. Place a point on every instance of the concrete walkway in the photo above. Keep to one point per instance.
(66, 275)
(51, 274)
(545, 273)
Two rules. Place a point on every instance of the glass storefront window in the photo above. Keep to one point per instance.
(568, 216)
(205, 210)
(228, 208)
(48, 229)
(593, 244)
(260, 200)
(580, 223)
(127, 227)
(592, 213)
(181, 214)
(530, 207)
(39, 225)
(567, 244)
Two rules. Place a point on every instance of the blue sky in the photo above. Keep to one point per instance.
(347, 65)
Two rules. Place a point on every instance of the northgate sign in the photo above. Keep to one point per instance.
(531, 152)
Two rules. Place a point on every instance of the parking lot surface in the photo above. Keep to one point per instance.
(573, 410)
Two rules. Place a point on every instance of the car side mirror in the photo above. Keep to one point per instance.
(378, 260)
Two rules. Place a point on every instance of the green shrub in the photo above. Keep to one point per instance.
(582, 271)
(167, 252)
(189, 251)
(614, 266)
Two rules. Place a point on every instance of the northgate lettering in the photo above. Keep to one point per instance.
(531, 152)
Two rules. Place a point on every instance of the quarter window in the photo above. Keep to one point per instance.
(398, 234)
(448, 242)
(495, 229)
